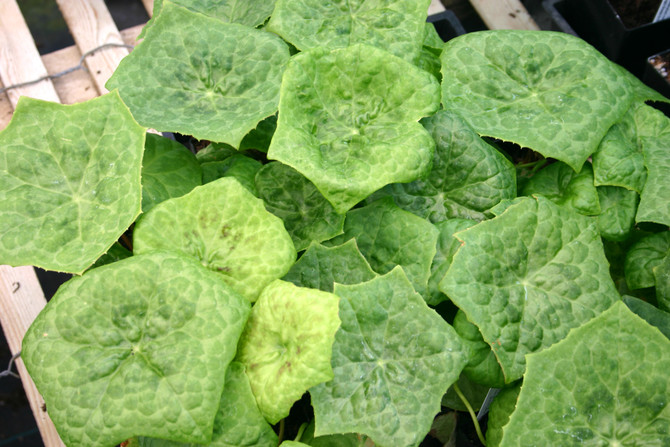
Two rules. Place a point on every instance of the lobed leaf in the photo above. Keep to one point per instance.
(655, 135)
(617, 218)
(483, 367)
(643, 257)
(138, 347)
(239, 166)
(651, 314)
(69, 181)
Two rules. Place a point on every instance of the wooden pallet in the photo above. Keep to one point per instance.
(91, 25)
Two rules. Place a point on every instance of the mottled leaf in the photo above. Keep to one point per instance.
(393, 359)
(321, 267)
(307, 215)
(389, 236)
(137, 347)
(239, 166)
(115, 253)
(618, 207)
(473, 392)
(655, 135)
(501, 409)
(483, 367)
(396, 26)
(338, 440)
(202, 77)
(69, 181)
(168, 170)
(528, 276)
(287, 345)
(651, 314)
(227, 229)
(348, 121)
(260, 137)
(215, 152)
(551, 92)
(605, 384)
(468, 176)
(248, 12)
(559, 183)
(643, 256)
(662, 283)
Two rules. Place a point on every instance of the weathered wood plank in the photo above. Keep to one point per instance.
(149, 6)
(504, 14)
(435, 7)
(19, 59)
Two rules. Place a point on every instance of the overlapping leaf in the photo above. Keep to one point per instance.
(605, 384)
(138, 347)
(202, 77)
(643, 256)
(239, 166)
(654, 133)
(393, 359)
(528, 276)
(168, 170)
(227, 229)
(649, 313)
(348, 121)
(618, 207)
(483, 367)
(662, 283)
(69, 181)
(249, 12)
(287, 344)
(393, 25)
(551, 92)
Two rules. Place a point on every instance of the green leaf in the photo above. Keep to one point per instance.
(528, 276)
(393, 359)
(239, 166)
(249, 12)
(605, 384)
(69, 181)
(307, 215)
(168, 170)
(115, 253)
(473, 392)
(468, 177)
(643, 256)
(551, 92)
(559, 183)
(393, 25)
(447, 245)
(227, 229)
(260, 137)
(662, 283)
(192, 73)
(483, 367)
(348, 121)
(649, 313)
(389, 236)
(500, 411)
(431, 39)
(339, 440)
(215, 152)
(617, 218)
(654, 201)
(287, 345)
(321, 267)
(138, 347)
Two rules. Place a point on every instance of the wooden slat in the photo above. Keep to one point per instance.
(435, 7)
(504, 14)
(149, 6)
(6, 109)
(19, 59)
(91, 25)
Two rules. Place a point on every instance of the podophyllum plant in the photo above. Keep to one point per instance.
(435, 257)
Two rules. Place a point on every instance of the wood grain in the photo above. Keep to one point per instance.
(504, 14)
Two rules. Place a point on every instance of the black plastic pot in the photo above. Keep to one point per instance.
(447, 24)
(598, 23)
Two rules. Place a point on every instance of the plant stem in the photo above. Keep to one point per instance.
(300, 431)
(472, 414)
(282, 427)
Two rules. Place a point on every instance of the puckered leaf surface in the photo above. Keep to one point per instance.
(559, 183)
(240, 166)
(501, 409)
(393, 359)
(69, 181)
(348, 121)
(138, 347)
(528, 276)
(168, 170)
(389, 236)
(662, 283)
(227, 229)
(287, 345)
(655, 135)
(605, 384)
(618, 207)
(248, 12)
(643, 256)
(468, 177)
(199, 76)
(483, 367)
(321, 267)
(396, 26)
(649, 313)
(307, 215)
(551, 92)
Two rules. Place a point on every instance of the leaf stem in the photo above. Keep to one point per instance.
(533, 164)
(478, 429)
(282, 427)
(301, 430)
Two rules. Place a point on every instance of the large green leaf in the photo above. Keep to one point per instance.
(227, 229)
(348, 121)
(467, 179)
(248, 12)
(240, 166)
(655, 135)
(307, 215)
(138, 347)
(199, 76)
(168, 170)
(559, 183)
(393, 359)
(618, 207)
(501, 409)
(321, 267)
(483, 367)
(389, 236)
(605, 384)
(551, 92)
(643, 256)
(69, 181)
(287, 344)
(528, 276)
(393, 25)
(650, 313)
